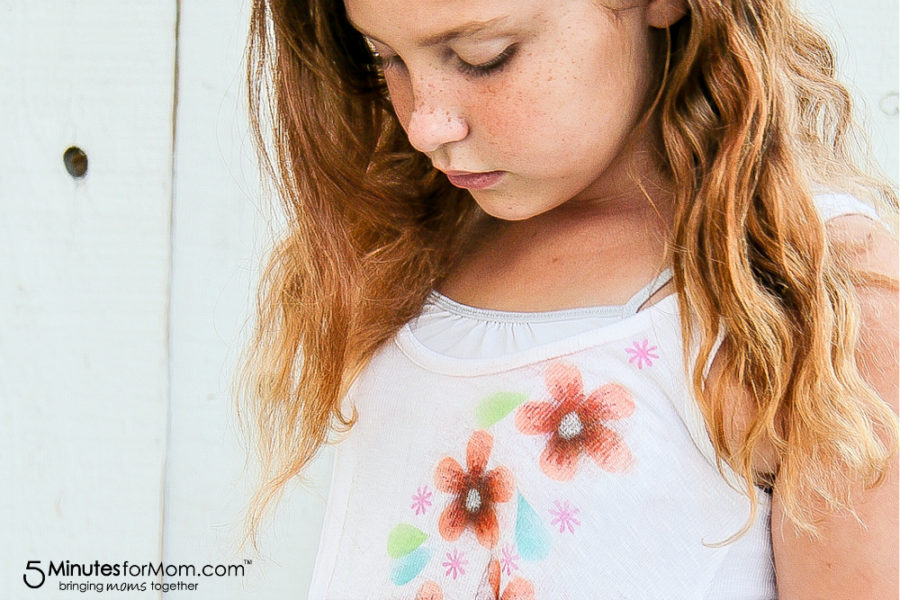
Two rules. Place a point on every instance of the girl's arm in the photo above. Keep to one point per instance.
(850, 560)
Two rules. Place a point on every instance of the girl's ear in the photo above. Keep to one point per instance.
(664, 13)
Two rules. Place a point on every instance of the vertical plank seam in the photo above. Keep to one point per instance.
(168, 337)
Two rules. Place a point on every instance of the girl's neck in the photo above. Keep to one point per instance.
(591, 251)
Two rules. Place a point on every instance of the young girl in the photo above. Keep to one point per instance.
(587, 296)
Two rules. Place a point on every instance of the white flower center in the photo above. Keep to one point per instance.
(473, 501)
(570, 426)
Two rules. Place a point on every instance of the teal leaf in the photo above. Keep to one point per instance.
(496, 406)
(410, 565)
(404, 539)
(532, 538)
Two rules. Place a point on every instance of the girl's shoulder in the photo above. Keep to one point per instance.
(850, 558)
(870, 250)
(866, 243)
(856, 231)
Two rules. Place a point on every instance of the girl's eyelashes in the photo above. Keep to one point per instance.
(486, 68)
(389, 62)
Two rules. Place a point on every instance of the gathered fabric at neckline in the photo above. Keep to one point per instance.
(661, 314)
(446, 328)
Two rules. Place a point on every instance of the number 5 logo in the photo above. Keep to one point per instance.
(29, 567)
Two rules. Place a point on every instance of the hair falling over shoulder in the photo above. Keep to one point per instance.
(752, 122)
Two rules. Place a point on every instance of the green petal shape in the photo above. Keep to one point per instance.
(532, 539)
(404, 539)
(409, 566)
(496, 406)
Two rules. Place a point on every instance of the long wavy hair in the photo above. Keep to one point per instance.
(751, 122)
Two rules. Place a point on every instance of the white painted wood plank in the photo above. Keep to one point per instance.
(218, 237)
(83, 299)
(864, 36)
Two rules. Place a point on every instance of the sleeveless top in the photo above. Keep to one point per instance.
(539, 455)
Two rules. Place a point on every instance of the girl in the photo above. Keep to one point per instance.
(586, 295)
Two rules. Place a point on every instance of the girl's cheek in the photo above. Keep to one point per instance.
(512, 112)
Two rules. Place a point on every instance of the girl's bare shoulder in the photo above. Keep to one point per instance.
(870, 248)
(855, 557)
(868, 244)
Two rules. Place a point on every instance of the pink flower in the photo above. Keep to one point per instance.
(575, 423)
(421, 500)
(508, 562)
(564, 516)
(455, 564)
(642, 353)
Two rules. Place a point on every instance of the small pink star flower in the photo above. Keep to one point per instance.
(642, 353)
(508, 561)
(564, 516)
(421, 500)
(455, 564)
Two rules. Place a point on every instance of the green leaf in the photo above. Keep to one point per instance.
(496, 406)
(404, 539)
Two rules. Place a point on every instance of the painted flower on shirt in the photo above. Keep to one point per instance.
(642, 353)
(477, 490)
(455, 564)
(421, 500)
(575, 423)
(564, 516)
(508, 562)
(430, 591)
(518, 588)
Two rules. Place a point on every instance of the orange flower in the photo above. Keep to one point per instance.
(518, 588)
(575, 423)
(430, 591)
(476, 492)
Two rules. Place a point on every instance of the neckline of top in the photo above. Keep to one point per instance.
(629, 308)
(663, 310)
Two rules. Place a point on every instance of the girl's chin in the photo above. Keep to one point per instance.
(511, 209)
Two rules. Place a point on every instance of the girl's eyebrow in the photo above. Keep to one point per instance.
(465, 30)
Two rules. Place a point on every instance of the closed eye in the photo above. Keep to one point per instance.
(486, 68)
(393, 61)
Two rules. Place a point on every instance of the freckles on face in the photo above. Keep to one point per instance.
(577, 94)
(509, 110)
(528, 106)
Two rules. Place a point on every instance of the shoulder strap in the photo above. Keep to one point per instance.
(642, 295)
(838, 205)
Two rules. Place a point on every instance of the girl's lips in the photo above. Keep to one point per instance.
(474, 181)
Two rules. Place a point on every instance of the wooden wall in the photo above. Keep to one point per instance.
(85, 291)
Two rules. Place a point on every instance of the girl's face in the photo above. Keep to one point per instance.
(537, 97)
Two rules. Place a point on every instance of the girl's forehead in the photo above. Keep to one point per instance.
(426, 19)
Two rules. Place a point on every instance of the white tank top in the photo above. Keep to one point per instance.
(538, 455)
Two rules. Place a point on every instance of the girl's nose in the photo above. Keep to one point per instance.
(433, 124)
